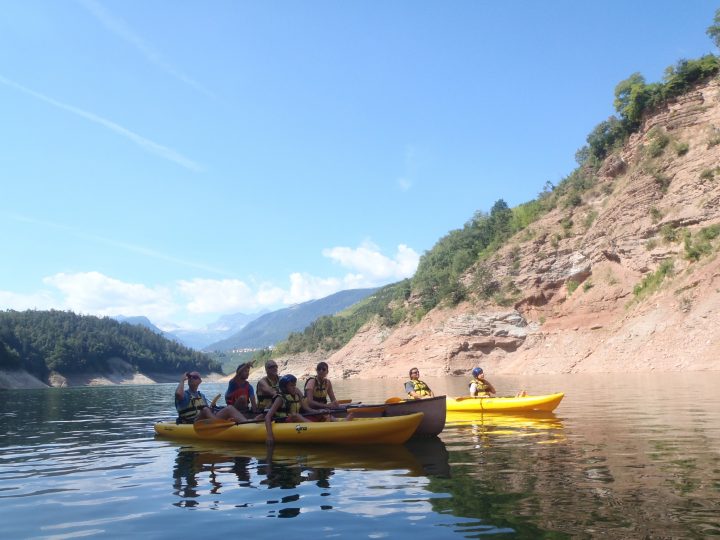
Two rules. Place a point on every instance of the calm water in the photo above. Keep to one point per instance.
(622, 457)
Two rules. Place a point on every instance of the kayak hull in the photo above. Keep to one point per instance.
(433, 409)
(394, 430)
(546, 403)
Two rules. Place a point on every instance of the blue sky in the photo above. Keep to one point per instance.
(183, 160)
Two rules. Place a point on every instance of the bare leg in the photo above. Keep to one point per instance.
(230, 413)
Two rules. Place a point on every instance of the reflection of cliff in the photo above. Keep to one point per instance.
(504, 475)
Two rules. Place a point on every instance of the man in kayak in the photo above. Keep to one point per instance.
(191, 404)
(479, 386)
(287, 406)
(319, 388)
(267, 387)
(415, 388)
(240, 393)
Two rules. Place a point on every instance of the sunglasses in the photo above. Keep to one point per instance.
(194, 377)
(272, 367)
(414, 373)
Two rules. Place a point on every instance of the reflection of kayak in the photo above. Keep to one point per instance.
(433, 408)
(394, 430)
(539, 420)
(380, 458)
(505, 404)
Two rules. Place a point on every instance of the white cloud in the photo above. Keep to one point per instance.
(304, 287)
(374, 267)
(217, 296)
(146, 144)
(97, 294)
(39, 300)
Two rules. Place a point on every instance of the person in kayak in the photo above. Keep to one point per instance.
(415, 388)
(319, 388)
(267, 387)
(479, 386)
(240, 393)
(287, 406)
(191, 404)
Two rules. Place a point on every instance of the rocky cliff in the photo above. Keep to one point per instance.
(574, 273)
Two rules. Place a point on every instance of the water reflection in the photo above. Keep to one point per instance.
(484, 428)
(205, 470)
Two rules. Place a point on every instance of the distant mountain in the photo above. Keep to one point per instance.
(277, 325)
(223, 328)
(144, 322)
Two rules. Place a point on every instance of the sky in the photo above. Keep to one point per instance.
(183, 160)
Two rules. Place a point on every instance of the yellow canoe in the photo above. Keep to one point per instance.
(547, 402)
(391, 430)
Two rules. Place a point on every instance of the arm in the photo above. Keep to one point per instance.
(410, 389)
(180, 390)
(491, 388)
(305, 405)
(331, 394)
(270, 439)
(253, 401)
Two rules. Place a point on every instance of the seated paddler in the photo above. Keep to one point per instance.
(319, 391)
(415, 388)
(192, 404)
(287, 406)
(240, 393)
(479, 386)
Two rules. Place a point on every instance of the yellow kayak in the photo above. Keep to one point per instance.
(391, 430)
(505, 404)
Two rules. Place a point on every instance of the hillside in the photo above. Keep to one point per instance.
(277, 325)
(60, 348)
(621, 275)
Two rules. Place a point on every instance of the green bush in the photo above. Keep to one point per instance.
(681, 148)
(652, 282)
(571, 286)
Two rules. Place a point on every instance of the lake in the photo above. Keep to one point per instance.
(624, 456)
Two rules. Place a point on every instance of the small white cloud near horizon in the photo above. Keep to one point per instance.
(97, 294)
(94, 293)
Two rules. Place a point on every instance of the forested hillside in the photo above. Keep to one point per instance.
(42, 342)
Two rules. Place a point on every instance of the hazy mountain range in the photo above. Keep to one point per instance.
(258, 330)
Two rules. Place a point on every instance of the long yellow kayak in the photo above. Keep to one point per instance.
(505, 404)
(391, 430)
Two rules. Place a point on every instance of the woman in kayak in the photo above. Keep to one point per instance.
(479, 386)
(287, 406)
(191, 404)
(319, 388)
(268, 387)
(415, 388)
(240, 393)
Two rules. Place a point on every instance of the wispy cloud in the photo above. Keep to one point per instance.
(134, 248)
(120, 28)
(146, 144)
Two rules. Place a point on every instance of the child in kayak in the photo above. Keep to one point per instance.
(479, 386)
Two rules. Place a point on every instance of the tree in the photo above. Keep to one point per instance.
(631, 97)
(714, 30)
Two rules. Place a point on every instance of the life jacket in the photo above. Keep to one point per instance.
(242, 389)
(190, 412)
(319, 391)
(481, 387)
(265, 400)
(290, 404)
(420, 388)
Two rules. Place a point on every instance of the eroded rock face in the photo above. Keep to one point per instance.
(576, 310)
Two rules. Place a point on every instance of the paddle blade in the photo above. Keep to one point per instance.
(344, 401)
(394, 400)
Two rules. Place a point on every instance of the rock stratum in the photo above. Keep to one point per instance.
(575, 271)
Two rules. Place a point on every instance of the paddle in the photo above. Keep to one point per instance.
(394, 400)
